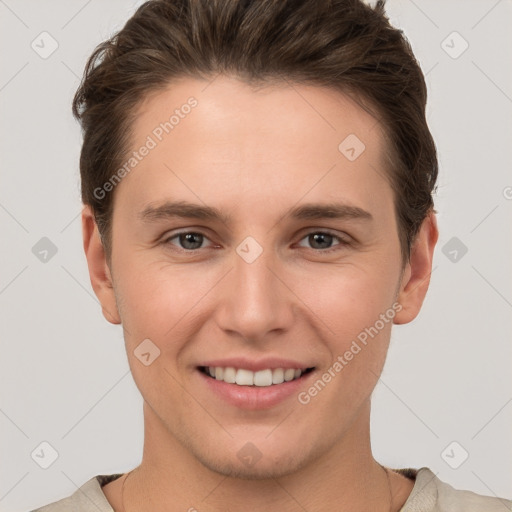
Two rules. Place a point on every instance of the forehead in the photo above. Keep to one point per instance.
(225, 135)
(226, 106)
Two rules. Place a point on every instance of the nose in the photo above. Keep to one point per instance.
(256, 301)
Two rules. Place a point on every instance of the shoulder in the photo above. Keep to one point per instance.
(430, 494)
(87, 498)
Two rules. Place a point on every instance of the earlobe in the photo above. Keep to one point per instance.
(416, 277)
(99, 272)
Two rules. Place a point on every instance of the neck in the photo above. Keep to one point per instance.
(344, 477)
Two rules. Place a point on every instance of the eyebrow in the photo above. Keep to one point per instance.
(309, 211)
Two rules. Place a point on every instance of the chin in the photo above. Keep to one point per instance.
(263, 469)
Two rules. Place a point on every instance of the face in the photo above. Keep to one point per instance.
(253, 240)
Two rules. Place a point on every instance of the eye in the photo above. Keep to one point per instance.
(188, 240)
(323, 240)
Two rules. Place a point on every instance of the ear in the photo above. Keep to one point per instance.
(99, 272)
(416, 275)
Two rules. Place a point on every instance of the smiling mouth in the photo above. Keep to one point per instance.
(262, 378)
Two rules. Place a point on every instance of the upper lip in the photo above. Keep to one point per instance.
(256, 365)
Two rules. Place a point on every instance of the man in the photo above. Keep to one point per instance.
(257, 181)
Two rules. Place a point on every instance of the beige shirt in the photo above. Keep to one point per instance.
(429, 494)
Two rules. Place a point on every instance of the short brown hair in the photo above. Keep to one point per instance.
(343, 44)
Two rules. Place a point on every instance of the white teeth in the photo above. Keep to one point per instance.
(244, 377)
(262, 378)
(278, 376)
(289, 374)
(230, 375)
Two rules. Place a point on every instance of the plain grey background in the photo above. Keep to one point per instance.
(445, 392)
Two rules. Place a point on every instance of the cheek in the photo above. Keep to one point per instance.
(160, 299)
(347, 299)
(156, 302)
(360, 321)
(353, 306)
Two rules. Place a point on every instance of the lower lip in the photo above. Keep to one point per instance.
(255, 397)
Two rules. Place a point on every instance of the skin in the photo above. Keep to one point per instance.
(255, 154)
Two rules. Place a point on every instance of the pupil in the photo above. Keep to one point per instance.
(319, 237)
(188, 238)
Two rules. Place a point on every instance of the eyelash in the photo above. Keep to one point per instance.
(342, 242)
